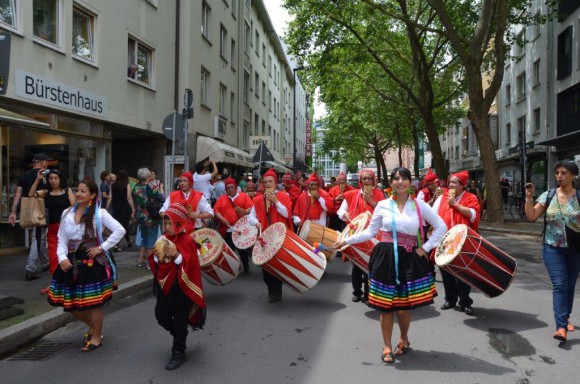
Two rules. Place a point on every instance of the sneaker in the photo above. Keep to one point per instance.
(176, 361)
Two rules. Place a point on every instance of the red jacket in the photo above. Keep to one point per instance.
(272, 214)
(356, 203)
(334, 192)
(226, 207)
(452, 217)
(306, 210)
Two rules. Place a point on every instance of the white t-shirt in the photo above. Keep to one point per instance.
(201, 183)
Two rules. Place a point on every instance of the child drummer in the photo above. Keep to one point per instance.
(177, 280)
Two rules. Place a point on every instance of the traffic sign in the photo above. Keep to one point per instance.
(179, 126)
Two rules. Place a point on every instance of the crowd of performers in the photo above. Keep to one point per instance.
(410, 222)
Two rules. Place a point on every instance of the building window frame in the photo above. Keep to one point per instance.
(141, 62)
(508, 134)
(521, 86)
(223, 42)
(205, 20)
(537, 120)
(45, 31)
(12, 10)
(537, 73)
(88, 41)
(223, 95)
(204, 90)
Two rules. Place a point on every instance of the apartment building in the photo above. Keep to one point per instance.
(90, 82)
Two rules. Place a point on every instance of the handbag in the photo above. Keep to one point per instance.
(572, 239)
(32, 212)
(132, 228)
(153, 205)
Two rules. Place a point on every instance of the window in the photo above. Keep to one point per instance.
(263, 93)
(204, 91)
(270, 101)
(264, 55)
(46, 17)
(521, 84)
(246, 86)
(257, 43)
(457, 152)
(257, 84)
(256, 125)
(8, 13)
(247, 37)
(234, 8)
(519, 44)
(537, 73)
(535, 27)
(522, 124)
(565, 53)
(275, 109)
(246, 135)
(223, 97)
(152, 2)
(83, 34)
(140, 62)
(232, 107)
(270, 65)
(223, 41)
(537, 121)
(233, 54)
(508, 94)
(263, 127)
(205, 10)
(508, 134)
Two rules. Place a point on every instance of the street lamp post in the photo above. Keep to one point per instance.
(294, 70)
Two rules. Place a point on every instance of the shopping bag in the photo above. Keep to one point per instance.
(32, 212)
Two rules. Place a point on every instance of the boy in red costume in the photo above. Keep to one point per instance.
(177, 278)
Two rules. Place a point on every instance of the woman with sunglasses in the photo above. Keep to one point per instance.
(399, 271)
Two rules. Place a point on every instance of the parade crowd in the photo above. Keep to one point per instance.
(392, 237)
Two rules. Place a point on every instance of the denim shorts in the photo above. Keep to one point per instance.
(148, 235)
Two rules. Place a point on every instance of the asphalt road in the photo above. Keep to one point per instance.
(322, 337)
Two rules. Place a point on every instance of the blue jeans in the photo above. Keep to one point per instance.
(148, 235)
(563, 265)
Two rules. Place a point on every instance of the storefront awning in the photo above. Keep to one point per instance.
(566, 139)
(277, 166)
(221, 152)
(15, 118)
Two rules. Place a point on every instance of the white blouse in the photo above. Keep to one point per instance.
(406, 222)
(69, 230)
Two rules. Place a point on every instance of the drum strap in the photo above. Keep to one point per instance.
(395, 247)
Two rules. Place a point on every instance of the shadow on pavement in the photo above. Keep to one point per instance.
(501, 318)
(423, 313)
(440, 361)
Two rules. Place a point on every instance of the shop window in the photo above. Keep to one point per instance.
(83, 34)
(8, 13)
(140, 62)
(46, 20)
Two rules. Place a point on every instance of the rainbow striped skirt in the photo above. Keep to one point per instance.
(88, 285)
(416, 286)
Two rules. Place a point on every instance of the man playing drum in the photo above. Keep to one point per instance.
(271, 207)
(197, 205)
(312, 204)
(457, 206)
(228, 209)
(356, 202)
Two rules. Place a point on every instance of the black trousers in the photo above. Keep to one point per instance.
(360, 282)
(455, 289)
(172, 312)
(245, 254)
(273, 283)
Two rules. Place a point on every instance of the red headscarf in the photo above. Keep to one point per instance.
(271, 173)
(363, 172)
(462, 176)
(430, 176)
(313, 178)
(188, 176)
(341, 177)
(180, 221)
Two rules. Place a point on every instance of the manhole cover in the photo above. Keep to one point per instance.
(40, 351)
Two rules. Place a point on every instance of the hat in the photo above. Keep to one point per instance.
(251, 185)
(430, 176)
(287, 177)
(40, 157)
(230, 181)
(188, 176)
(462, 176)
(366, 171)
(341, 177)
(271, 173)
(180, 221)
(313, 178)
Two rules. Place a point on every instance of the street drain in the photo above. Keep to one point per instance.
(40, 351)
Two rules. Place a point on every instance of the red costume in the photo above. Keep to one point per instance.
(450, 215)
(334, 193)
(179, 196)
(227, 208)
(306, 209)
(290, 188)
(272, 215)
(430, 177)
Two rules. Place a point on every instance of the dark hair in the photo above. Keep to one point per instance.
(61, 179)
(570, 165)
(199, 168)
(104, 174)
(404, 172)
(88, 218)
(122, 178)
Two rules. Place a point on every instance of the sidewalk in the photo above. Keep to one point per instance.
(39, 318)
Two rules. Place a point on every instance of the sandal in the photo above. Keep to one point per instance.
(387, 357)
(402, 349)
(570, 327)
(89, 347)
(561, 335)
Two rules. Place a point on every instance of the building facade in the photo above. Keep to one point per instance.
(90, 83)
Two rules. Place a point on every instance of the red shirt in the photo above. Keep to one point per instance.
(334, 192)
(356, 203)
(306, 210)
(272, 214)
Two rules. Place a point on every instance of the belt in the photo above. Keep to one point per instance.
(403, 240)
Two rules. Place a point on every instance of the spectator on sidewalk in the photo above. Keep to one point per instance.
(202, 178)
(123, 208)
(504, 185)
(37, 256)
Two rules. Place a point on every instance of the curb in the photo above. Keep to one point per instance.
(30, 330)
(511, 231)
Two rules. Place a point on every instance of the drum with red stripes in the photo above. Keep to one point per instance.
(469, 257)
(219, 264)
(359, 254)
(244, 235)
(315, 233)
(285, 255)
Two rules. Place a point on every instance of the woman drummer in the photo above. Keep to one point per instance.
(560, 258)
(399, 271)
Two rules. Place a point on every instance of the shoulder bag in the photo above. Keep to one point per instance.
(32, 212)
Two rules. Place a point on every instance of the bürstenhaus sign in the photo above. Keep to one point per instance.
(46, 91)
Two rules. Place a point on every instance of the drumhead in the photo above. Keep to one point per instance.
(210, 245)
(244, 234)
(451, 244)
(270, 243)
(305, 230)
(356, 225)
